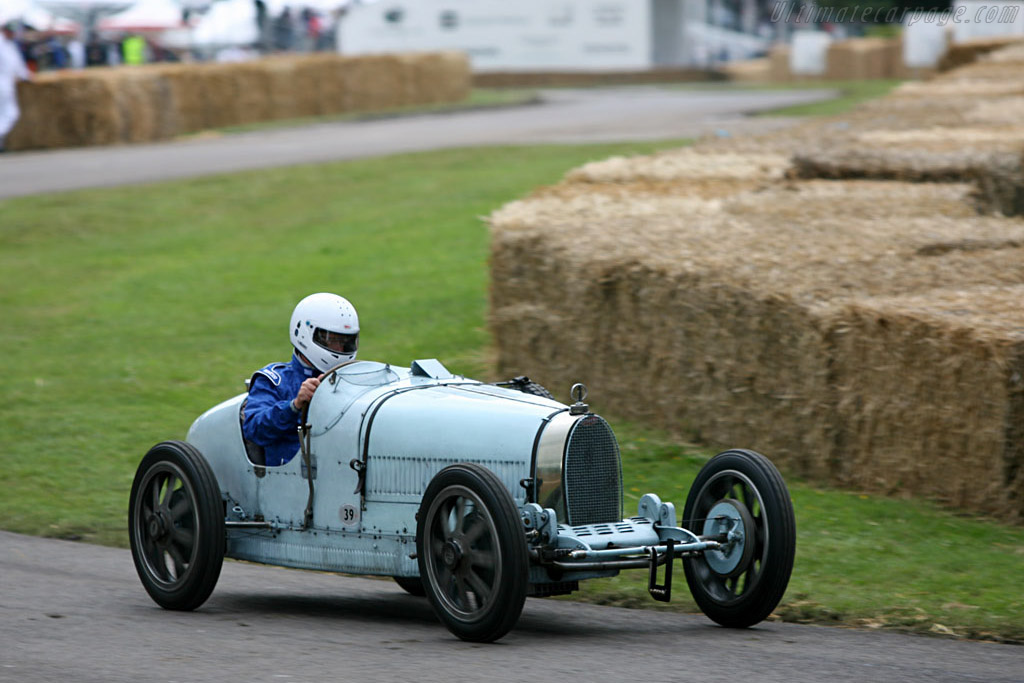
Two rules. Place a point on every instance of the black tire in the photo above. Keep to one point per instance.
(176, 526)
(412, 585)
(472, 553)
(536, 390)
(527, 386)
(749, 591)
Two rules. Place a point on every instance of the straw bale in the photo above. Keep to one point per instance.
(374, 82)
(859, 58)
(103, 106)
(714, 317)
(187, 89)
(324, 75)
(960, 89)
(749, 70)
(931, 397)
(731, 291)
(666, 346)
(1011, 53)
(959, 54)
(779, 64)
(67, 110)
(997, 111)
(682, 165)
(144, 106)
(946, 138)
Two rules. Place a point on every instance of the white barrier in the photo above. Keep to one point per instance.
(925, 36)
(808, 53)
(986, 19)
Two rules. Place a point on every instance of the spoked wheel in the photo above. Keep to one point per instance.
(472, 553)
(741, 499)
(176, 526)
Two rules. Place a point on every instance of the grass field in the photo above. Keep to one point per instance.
(127, 312)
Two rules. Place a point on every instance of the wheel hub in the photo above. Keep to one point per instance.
(157, 526)
(451, 553)
(731, 519)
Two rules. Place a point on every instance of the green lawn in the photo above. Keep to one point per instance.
(126, 312)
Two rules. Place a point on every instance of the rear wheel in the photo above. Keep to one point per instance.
(176, 526)
(740, 492)
(472, 553)
(412, 585)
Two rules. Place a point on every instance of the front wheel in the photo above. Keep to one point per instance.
(472, 553)
(176, 526)
(740, 497)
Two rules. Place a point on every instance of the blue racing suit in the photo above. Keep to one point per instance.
(270, 421)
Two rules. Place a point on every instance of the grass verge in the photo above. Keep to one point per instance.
(127, 312)
(852, 94)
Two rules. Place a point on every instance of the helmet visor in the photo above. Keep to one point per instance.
(336, 342)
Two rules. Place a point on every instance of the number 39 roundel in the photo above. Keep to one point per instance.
(349, 515)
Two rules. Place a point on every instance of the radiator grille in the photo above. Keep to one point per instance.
(593, 473)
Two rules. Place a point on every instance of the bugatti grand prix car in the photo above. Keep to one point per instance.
(475, 495)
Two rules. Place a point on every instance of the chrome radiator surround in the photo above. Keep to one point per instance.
(579, 470)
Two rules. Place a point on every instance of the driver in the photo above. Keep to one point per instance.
(324, 331)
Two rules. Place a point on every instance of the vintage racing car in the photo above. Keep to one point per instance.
(476, 495)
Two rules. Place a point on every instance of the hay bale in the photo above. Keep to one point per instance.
(374, 82)
(992, 157)
(441, 77)
(716, 292)
(67, 110)
(728, 303)
(974, 88)
(103, 106)
(960, 54)
(931, 397)
(682, 165)
(187, 89)
(145, 106)
(779, 64)
(860, 58)
(749, 70)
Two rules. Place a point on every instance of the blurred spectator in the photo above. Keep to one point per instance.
(95, 52)
(76, 54)
(12, 70)
(284, 30)
(262, 29)
(133, 48)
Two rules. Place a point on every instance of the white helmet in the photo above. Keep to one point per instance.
(325, 329)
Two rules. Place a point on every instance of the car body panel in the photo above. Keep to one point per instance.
(398, 427)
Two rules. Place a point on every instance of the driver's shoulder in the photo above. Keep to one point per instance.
(275, 373)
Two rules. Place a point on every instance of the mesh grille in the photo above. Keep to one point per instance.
(593, 473)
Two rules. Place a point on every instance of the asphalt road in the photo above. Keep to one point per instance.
(75, 612)
(569, 116)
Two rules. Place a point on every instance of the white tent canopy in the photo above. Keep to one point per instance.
(28, 12)
(227, 23)
(145, 15)
(84, 12)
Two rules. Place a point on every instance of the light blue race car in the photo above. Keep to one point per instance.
(475, 495)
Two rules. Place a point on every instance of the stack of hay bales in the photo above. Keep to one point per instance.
(967, 51)
(105, 106)
(959, 125)
(867, 331)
